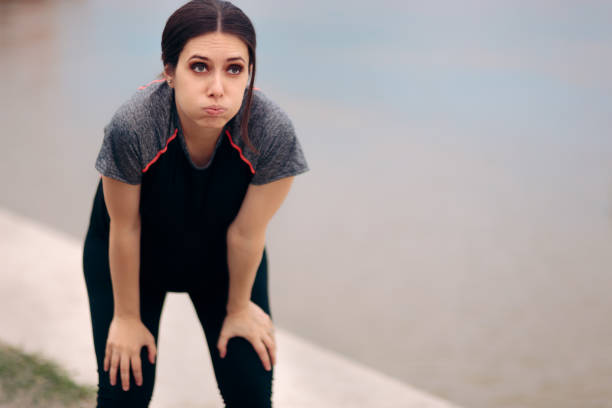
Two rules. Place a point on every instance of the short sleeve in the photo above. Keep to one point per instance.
(281, 154)
(120, 157)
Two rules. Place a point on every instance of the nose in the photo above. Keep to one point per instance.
(215, 87)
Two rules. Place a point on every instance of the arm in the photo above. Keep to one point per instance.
(246, 238)
(122, 201)
(126, 334)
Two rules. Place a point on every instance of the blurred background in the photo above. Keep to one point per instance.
(455, 229)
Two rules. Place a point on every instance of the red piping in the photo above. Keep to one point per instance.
(239, 151)
(160, 152)
(152, 82)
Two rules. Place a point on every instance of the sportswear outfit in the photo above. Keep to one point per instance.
(185, 213)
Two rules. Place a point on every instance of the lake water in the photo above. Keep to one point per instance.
(455, 229)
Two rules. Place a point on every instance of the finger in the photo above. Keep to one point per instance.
(113, 367)
(152, 348)
(222, 344)
(261, 349)
(137, 369)
(125, 371)
(107, 355)
(271, 346)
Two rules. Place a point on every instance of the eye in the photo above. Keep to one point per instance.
(235, 69)
(198, 67)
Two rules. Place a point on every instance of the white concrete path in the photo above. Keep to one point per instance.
(44, 308)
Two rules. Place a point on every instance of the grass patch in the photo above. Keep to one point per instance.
(29, 380)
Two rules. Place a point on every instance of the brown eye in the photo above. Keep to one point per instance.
(235, 69)
(198, 67)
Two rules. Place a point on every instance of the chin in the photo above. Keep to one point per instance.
(212, 123)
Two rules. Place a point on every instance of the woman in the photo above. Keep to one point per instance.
(193, 167)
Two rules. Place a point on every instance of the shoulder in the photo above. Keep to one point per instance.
(145, 113)
(279, 152)
(266, 114)
(269, 124)
(134, 134)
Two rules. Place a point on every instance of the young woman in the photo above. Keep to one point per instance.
(193, 167)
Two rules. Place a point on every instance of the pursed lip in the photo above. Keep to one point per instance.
(214, 107)
(214, 110)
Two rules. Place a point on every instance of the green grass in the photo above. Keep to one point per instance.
(29, 380)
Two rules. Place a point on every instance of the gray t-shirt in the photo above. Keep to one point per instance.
(139, 131)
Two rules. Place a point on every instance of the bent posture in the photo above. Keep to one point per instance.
(193, 167)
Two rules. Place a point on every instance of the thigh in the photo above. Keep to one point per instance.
(101, 304)
(241, 376)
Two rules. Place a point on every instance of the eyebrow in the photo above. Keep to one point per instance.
(208, 59)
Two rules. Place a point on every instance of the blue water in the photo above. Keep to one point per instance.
(455, 229)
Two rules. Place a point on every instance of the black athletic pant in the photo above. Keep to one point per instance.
(241, 377)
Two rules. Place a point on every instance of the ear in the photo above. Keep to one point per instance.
(169, 75)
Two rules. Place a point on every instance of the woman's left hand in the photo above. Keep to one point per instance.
(253, 324)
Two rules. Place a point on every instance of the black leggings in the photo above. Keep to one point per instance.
(241, 377)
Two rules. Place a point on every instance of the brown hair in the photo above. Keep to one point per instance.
(199, 17)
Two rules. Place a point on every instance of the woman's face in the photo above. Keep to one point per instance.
(210, 78)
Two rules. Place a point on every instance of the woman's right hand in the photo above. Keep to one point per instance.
(126, 337)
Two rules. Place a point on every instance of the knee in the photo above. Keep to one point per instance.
(242, 378)
(106, 401)
(137, 396)
(115, 397)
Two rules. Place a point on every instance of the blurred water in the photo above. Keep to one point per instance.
(455, 230)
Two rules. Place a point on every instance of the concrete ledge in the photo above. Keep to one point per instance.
(45, 309)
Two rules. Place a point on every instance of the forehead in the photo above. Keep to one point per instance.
(215, 45)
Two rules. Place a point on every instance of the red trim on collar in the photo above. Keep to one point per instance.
(160, 152)
(239, 151)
